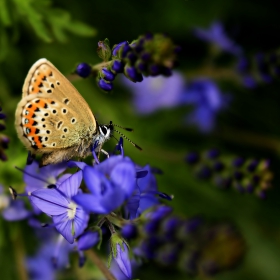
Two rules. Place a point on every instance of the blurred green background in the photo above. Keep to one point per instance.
(249, 127)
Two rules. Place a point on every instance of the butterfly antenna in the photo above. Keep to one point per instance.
(135, 145)
(125, 128)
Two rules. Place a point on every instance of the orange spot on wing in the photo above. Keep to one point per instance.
(37, 142)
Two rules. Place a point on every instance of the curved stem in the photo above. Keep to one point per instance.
(98, 262)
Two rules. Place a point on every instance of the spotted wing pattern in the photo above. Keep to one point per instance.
(52, 114)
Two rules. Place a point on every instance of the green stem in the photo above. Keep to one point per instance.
(98, 262)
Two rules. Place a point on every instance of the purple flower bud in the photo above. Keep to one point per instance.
(252, 165)
(2, 116)
(261, 194)
(103, 50)
(122, 259)
(132, 74)
(107, 74)
(88, 239)
(213, 154)
(146, 56)
(129, 231)
(131, 57)
(83, 70)
(141, 66)
(250, 188)
(4, 141)
(159, 213)
(249, 81)
(3, 156)
(238, 162)
(192, 158)
(107, 86)
(154, 70)
(205, 172)
(121, 49)
(242, 64)
(170, 227)
(117, 66)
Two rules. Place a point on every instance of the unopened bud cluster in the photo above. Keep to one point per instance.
(190, 244)
(149, 55)
(244, 175)
(262, 68)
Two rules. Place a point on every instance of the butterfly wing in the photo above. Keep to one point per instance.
(52, 116)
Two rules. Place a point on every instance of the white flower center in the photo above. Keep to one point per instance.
(71, 212)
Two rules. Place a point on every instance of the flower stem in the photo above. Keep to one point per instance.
(97, 261)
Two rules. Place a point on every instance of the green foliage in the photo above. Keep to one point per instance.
(47, 22)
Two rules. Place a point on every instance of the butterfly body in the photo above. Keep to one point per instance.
(53, 119)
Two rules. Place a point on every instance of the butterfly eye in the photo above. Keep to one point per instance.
(103, 130)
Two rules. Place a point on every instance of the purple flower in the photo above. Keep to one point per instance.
(110, 183)
(88, 239)
(155, 93)
(12, 210)
(37, 178)
(120, 252)
(144, 195)
(83, 70)
(51, 256)
(69, 219)
(216, 35)
(207, 100)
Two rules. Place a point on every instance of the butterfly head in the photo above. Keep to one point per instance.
(105, 132)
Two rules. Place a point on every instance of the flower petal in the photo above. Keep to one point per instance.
(88, 240)
(50, 201)
(92, 179)
(71, 185)
(123, 261)
(64, 227)
(124, 176)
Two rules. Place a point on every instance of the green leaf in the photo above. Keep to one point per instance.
(4, 13)
(35, 19)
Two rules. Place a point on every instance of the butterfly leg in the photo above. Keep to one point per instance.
(105, 153)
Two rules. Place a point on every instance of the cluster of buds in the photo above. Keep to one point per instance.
(187, 244)
(262, 68)
(4, 140)
(149, 55)
(251, 175)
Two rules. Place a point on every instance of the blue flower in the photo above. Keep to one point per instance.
(120, 253)
(52, 256)
(216, 35)
(12, 210)
(207, 100)
(110, 183)
(69, 219)
(144, 195)
(37, 178)
(88, 239)
(155, 93)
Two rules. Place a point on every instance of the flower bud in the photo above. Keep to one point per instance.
(104, 50)
(107, 86)
(83, 70)
(107, 74)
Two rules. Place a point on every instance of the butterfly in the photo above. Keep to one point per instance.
(54, 120)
